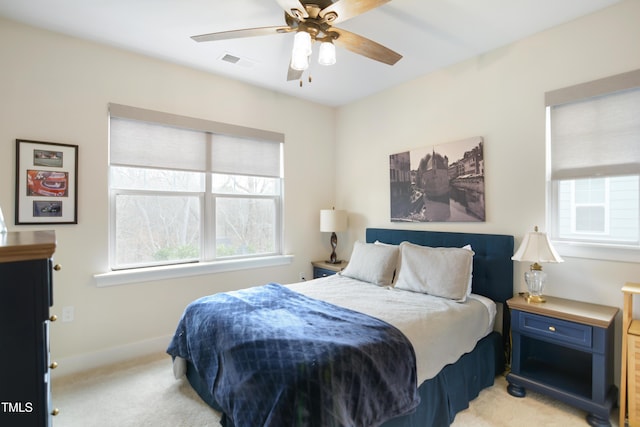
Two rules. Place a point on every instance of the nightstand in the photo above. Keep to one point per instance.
(564, 349)
(324, 269)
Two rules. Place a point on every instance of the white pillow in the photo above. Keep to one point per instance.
(394, 275)
(469, 248)
(442, 272)
(378, 242)
(372, 263)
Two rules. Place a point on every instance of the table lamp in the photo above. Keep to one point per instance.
(536, 247)
(332, 221)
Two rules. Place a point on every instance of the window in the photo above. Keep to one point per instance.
(185, 190)
(593, 136)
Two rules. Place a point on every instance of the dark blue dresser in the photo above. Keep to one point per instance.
(26, 294)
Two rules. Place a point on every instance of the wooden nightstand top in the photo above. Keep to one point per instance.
(328, 266)
(631, 288)
(566, 309)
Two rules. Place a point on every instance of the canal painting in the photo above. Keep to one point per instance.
(441, 183)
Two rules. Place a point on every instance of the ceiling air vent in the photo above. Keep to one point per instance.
(232, 59)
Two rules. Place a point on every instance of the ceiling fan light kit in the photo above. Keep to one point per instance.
(312, 20)
(302, 51)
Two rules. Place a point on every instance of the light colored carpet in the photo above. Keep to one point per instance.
(143, 392)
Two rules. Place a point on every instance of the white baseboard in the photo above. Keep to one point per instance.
(109, 356)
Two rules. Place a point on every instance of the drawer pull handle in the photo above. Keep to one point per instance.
(55, 412)
(552, 328)
(54, 365)
(53, 318)
(57, 267)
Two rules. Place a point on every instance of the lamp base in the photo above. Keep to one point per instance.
(534, 298)
(535, 279)
(337, 261)
(333, 259)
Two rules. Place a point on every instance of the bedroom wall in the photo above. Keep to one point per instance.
(56, 88)
(499, 96)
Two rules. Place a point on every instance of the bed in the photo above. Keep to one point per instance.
(401, 386)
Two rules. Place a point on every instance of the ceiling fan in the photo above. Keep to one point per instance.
(311, 21)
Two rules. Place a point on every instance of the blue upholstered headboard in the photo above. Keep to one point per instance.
(492, 264)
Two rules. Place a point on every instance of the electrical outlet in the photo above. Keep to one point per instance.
(301, 276)
(67, 314)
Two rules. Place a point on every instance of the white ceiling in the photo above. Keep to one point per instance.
(430, 34)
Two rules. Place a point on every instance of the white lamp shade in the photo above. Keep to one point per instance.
(536, 247)
(332, 220)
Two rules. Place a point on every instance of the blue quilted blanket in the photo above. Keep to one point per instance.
(273, 357)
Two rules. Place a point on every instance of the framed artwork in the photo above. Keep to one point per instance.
(46, 183)
(440, 183)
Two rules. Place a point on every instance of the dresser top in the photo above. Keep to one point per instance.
(566, 309)
(27, 245)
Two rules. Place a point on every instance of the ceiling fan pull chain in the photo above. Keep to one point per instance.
(310, 80)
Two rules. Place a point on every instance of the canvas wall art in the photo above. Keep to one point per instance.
(443, 183)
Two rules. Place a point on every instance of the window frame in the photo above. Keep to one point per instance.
(114, 193)
(208, 260)
(277, 226)
(581, 248)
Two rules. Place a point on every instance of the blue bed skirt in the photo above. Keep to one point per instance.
(443, 396)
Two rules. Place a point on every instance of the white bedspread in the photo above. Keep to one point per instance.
(440, 330)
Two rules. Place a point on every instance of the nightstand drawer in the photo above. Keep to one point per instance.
(322, 272)
(324, 268)
(555, 329)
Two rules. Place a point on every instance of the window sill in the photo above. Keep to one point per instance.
(123, 277)
(599, 252)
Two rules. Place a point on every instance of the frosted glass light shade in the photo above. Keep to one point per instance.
(302, 43)
(299, 61)
(327, 54)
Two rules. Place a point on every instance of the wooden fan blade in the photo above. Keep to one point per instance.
(294, 74)
(294, 8)
(347, 9)
(364, 46)
(236, 34)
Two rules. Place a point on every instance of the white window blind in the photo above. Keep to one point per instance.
(187, 190)
(147, 138)
(142, 144)
(245, 156)
(596, 137)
